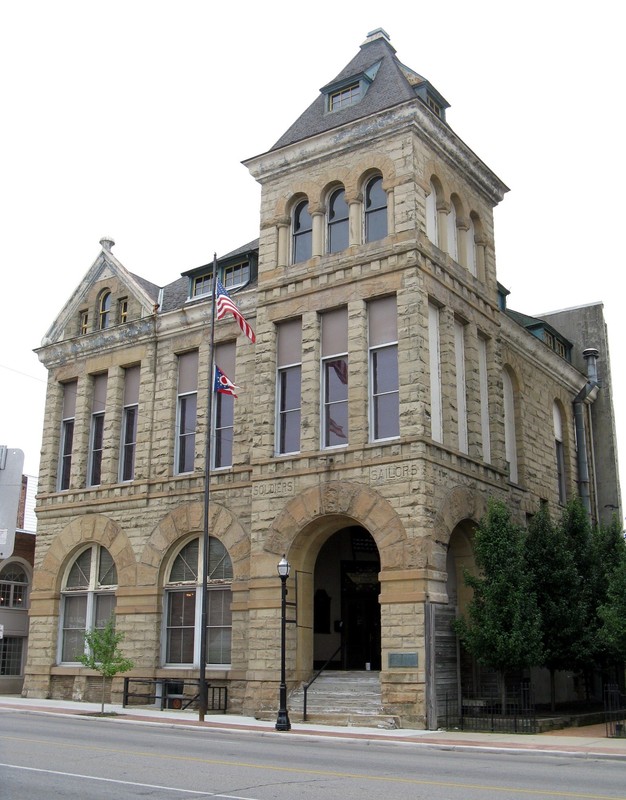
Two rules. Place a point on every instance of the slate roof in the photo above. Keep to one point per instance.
(394, 83)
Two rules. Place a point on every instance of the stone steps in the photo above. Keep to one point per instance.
(350, 698)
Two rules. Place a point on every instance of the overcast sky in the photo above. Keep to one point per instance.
(131, 119)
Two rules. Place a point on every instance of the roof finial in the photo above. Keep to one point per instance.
(107, 243)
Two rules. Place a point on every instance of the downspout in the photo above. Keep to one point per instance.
(586, 396)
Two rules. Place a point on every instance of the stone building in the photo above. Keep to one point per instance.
(389, 394)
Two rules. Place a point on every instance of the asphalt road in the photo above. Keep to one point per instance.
(43, 757)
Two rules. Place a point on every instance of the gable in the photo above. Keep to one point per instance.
(107, 296)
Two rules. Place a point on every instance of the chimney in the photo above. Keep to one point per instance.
(591, 357)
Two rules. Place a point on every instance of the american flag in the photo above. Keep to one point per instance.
(334, 427)
(222, 383)
(225, 305)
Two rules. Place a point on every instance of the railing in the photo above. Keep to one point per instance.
(614, 711)
(315, 677)
(171, 693)
(486, 713)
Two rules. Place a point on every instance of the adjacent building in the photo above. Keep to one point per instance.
(17, 552)
(389, 394)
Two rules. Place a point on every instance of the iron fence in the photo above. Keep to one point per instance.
(614, 711)
(172, 693)
(485, 712)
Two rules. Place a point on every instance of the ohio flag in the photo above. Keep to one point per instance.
(225, 305)
(222, 383)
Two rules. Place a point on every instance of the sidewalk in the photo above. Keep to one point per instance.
(589, 741)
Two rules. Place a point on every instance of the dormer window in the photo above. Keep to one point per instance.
(348, 96)
(434, 106)
(236, 275)
(201, 284)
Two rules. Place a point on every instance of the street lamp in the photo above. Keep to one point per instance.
(282, 720)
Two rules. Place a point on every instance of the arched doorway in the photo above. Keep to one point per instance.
(346, 618)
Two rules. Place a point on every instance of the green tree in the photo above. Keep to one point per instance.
(502, 629)
(575, 529)
(557, 585)
(612, 613)
(608, 572)
(104, 654)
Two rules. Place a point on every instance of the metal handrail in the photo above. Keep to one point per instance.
(315, 677)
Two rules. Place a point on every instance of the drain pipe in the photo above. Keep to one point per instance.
(586, 396)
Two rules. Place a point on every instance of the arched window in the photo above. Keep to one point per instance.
(560, 453)
(337, 221)
(88, 598)
(510, 437)
(104, 311)
(13, 586)
(375, 210)
(302, 230)
(431, 215)
(470, 248)
(453, 246)
(183, 605)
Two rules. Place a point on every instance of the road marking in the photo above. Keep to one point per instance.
(128, 783)
(321, 773)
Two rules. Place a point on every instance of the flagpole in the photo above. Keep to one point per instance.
(203, 697)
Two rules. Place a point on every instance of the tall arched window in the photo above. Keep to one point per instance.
(104, 311)
(453, 246)
(560, 453)
(302, 232)
(510, 438)
(375, 210)
(431, 215)
(88, 598)
(183, 605)
(337, 221)
(470, 248)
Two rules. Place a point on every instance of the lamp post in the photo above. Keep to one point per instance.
(282, 720)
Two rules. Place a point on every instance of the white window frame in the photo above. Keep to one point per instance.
(223, 585)
(434, 357)
(375, 396)
(461, 385)
(510, 426)
(283, 370)
(91, 592)
(484, 399)
(186, 438)
(96, 430)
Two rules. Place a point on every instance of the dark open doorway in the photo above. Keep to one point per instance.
(347, 610)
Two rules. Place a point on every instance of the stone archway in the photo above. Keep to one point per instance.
(309, 520)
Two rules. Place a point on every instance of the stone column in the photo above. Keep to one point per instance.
(358, 370)
(113, 414)
(318, 217)
(472, 384)
(355, 222)
(310, 388)
(282, 254)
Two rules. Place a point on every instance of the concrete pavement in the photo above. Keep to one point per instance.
(586, 742)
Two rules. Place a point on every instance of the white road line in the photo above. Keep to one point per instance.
(128, 783)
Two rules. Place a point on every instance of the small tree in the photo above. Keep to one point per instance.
(104, 654)
(503, 626)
